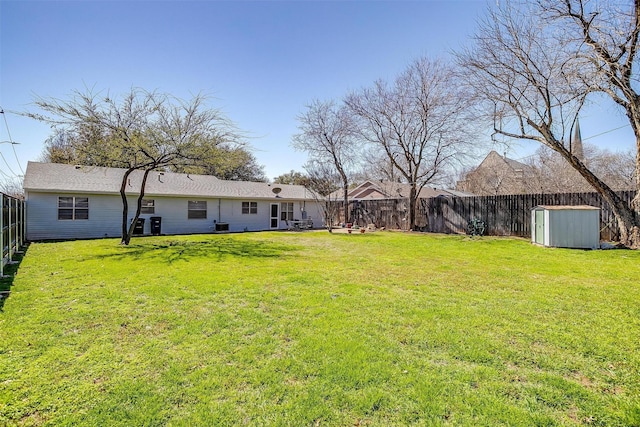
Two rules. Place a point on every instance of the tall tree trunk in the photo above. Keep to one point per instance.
(345, 189)
(125, 238)
(132, 226)
(626, 216)
(635, 203)
(633, 234)
(630, 236)
(413, 196)
(634, 117)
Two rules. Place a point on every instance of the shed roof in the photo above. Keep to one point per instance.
(566, 207)
(55, 177)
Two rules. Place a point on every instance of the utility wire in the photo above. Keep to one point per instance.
(13, 145)
(6, 124)
(606, 132)
(2, 172)
(8, 167)
(584, 139)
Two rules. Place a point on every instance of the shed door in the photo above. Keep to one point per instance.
(274, 215)
(540, 226)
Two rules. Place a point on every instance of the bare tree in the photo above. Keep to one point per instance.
(605, 38)
(377, 166)
(492, 182)
(323, 181)
(550, 173)
(531, 80)
(617, 169)
(327, 135)
(546, 171)
(13, 187)
(143, 131)
(418, 121)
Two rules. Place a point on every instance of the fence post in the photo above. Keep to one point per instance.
(10, 229)
(20, 223)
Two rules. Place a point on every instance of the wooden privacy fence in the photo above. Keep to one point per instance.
(390, 213)
(12, 228)
(503, 215)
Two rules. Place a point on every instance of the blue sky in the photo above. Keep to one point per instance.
(261, 62)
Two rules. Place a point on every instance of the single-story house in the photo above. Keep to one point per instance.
(72, 202)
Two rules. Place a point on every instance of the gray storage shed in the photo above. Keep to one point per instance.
(566, 226)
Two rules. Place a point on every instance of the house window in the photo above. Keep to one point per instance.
(73, 208)
(249, 208)
(197, 209)
(148, 206)
(286, 211)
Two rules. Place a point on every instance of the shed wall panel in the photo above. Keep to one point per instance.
(574, 228)
(566, 228)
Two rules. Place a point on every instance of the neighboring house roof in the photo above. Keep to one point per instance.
(54, 177)
(457, 193)
(382, 190)
(497, 174)
(493, 157)
(428, 192)
(371, 190)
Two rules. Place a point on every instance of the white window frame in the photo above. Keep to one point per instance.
(148, 206)
(78, 207)
(286, 211)
(249, 208)
(194, 209)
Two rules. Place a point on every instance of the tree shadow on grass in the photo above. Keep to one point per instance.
(217, 249)
(10, 271)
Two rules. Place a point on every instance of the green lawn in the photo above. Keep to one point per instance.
(315, 329)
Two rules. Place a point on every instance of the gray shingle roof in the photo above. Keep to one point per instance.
(54, 177)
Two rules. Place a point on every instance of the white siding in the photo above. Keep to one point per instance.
(105, 216)
(313, 210)
(43, 224)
